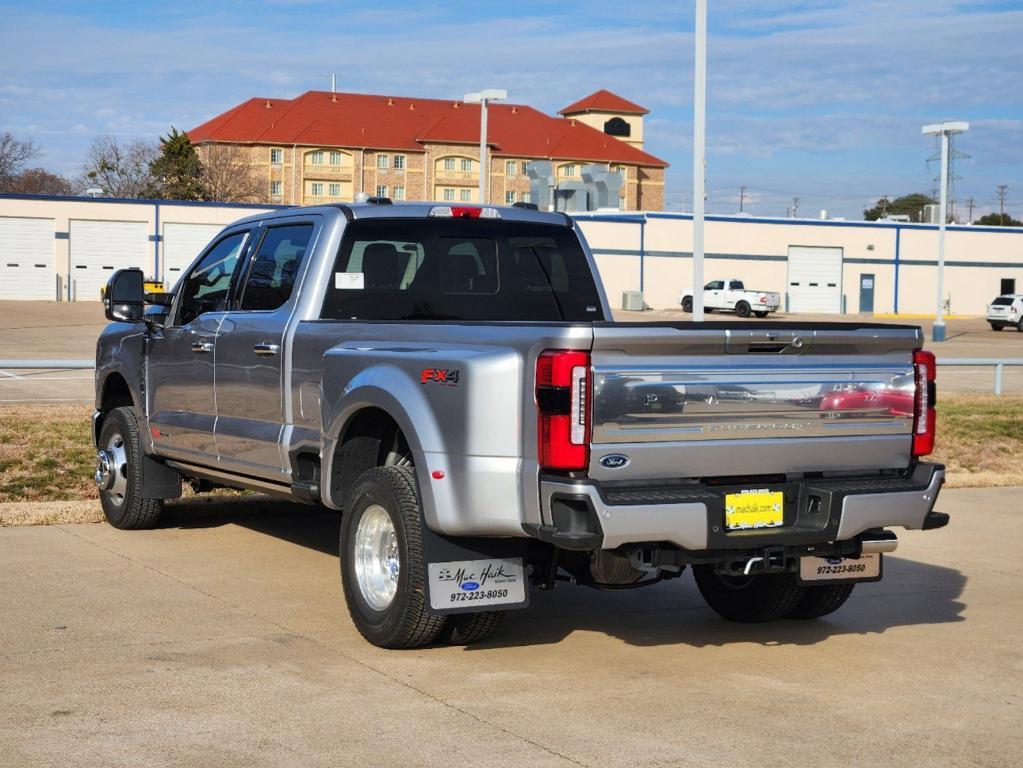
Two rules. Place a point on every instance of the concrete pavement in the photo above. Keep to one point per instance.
(221, 639)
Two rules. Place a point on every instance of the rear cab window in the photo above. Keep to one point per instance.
(461, 270)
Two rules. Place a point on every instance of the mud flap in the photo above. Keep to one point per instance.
(468, 575)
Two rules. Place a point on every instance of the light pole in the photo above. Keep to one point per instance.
(945, 130)
(699, 161)
(483, 98)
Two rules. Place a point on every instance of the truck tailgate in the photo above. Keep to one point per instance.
(686, 400)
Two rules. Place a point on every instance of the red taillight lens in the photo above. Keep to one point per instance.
(924, 373)
(562, 401)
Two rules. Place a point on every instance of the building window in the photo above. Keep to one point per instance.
(466, 165)
(334, 190)
(449, 163)
(399, 162)
(616, 126)
(449, 193)
(527, 197)
(622, 170)
(276, 187)
(335, 158)
(398, 193)
(381, 161)
(568, 170)
(316, 158)
(524, 166)
(317, 188)
(382, 190)
(276, 155)
(511, 167)
(465, 195)
(509, 198)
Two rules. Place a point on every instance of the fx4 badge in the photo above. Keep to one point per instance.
(614, 461)
(449, 377)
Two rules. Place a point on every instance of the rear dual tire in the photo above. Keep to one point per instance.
(383, 569)
(768, 596)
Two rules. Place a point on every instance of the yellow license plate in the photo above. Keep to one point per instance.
(754, 509)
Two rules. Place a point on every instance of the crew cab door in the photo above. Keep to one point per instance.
(713, 294)
(180, 358)
(251, 351)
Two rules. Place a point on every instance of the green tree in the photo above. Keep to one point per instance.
(907, 205)
(177, 171)
(999, 220)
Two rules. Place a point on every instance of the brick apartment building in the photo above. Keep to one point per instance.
(325, 147)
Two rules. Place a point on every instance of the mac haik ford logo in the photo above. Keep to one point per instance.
(614, 460)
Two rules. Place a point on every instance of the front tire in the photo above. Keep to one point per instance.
(1019, 326)
(749, 599)
(821, 600)
(383, 572)
(687, 303)
(119, 474)
(742, 309)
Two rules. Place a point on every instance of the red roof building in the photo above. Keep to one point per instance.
(323, 146)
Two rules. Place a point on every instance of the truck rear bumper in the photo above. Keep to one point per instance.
(588, 515)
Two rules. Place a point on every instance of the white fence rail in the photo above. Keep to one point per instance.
(984, 362)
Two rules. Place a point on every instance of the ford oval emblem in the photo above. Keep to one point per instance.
(833, 560)
(614, 461)
(470, 586)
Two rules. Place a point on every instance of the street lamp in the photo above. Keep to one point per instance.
(945, 130)
(483, 98)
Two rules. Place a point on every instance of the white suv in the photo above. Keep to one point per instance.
(1006, 310)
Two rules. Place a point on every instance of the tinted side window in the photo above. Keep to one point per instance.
(274, 268)
(206, 287)
(461, 269)
(717, 285)
(736, 285)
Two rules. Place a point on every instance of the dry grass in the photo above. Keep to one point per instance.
(46, 455)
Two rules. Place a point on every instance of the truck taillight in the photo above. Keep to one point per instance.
(563, 408)
(924, 370)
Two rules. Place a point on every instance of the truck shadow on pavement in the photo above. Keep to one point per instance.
(670, 613)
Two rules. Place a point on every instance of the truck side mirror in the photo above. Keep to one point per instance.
(125, 295)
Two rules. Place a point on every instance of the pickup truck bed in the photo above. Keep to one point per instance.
(446, 378)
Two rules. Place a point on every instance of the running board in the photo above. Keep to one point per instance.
(238, 481)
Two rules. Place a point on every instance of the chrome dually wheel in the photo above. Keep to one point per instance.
(112, 469)
(118, 473)
(377, 562)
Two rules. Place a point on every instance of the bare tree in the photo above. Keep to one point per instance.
(14, 153)
(38, 181)
(121, 170)
(227, 175)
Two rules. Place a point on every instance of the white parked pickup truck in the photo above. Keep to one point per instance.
(732, 296)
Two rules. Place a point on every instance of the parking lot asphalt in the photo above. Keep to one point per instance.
(222, 640)
(50, 330)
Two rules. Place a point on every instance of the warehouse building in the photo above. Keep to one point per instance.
(68, 247)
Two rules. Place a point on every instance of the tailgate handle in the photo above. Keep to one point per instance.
(766, 344)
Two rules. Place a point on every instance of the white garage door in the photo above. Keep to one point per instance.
(181, 244)
(26, 258)
(815, 279)
(98, 248)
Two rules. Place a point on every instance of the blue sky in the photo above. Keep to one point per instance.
(817, 100)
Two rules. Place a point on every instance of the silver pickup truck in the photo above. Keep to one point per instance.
(451, 380)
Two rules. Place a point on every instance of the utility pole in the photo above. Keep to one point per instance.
(884, 206)
(1002, 188)
(483, 98)
(795, 206)
(742, 197)
(699, 157)
(970, 205)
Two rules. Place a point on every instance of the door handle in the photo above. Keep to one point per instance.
(202, 347)
(266, 350)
